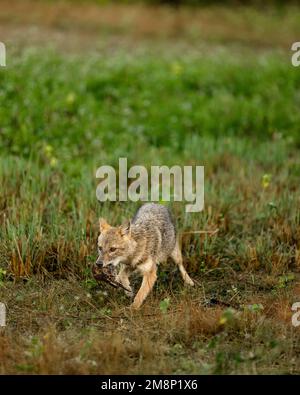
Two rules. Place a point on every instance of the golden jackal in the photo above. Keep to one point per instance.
(139, 245)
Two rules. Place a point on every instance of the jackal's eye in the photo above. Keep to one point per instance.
(100, 250)
(112, 249)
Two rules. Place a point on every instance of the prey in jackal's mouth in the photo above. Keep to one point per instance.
(108, 275)
(138, 245)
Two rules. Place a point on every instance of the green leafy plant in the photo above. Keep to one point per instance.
(164, 305)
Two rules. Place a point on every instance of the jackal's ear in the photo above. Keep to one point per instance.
(103, 225)
(125, 229)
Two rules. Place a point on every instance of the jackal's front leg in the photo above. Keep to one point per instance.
(149, 278)
(123, 278)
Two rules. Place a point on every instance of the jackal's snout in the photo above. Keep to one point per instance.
(99, 262)
(109, 268)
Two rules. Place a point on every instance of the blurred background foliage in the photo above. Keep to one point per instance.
(188, 83)
(195, 2)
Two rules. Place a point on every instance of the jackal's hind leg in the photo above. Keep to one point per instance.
(177, 258)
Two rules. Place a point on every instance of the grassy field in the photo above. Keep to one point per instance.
(231, 105)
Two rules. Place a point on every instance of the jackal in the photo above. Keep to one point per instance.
(140, 245)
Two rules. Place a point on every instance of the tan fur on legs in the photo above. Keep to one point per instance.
(177, 258)
(123, 278)
(149, 279)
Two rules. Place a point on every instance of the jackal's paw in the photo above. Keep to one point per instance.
(189, 281)
(136, 304)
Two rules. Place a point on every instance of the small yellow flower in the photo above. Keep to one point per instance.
(223, 320)
(176, 69)
(48, 149)
(53, 162)
(266, 180)
(71, 97)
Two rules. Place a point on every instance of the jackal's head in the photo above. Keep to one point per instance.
(115, 244)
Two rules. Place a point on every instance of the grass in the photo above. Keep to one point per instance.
(64, 115)
(146, 97)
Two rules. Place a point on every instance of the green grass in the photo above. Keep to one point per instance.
(64, 116)
(162, 102)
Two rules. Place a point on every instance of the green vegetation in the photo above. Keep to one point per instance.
(64, 115)
(130, 101)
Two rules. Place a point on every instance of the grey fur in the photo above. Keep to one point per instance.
(149, 239)
(153, 229)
